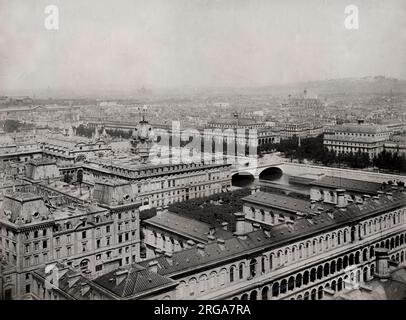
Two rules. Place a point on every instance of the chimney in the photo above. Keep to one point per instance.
(190, 244)
(212, 230)
(84, 288)
(341, 198)
(312, 204)
(159, 252)
(380, 193)
(240, 225)
(72, 279)
(159, 211)
(224, 225)
(256, 226)
(169, 257)
(153, 266)
(200, 248)
(389, 195)
(366, 197)
(221, 243)
(211, 238)
(382, 263)
(120, 276)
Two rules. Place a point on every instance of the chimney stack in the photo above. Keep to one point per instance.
(190, 244)
(200, 248)
(159, 211)
(159, 252)
(72, 279)
(341, 198)
(221, 243)
(169, 257)
(84, 288)
(212, 230)
(256, 226)
(389, 195)
(211, 238)
(366, 197)
(153, 266)
(240, 225)
(120, 276)
(382, 263)
(224, 225)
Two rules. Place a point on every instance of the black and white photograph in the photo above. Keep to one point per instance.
(207, 150)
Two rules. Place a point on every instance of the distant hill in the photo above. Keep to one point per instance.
(372, 85)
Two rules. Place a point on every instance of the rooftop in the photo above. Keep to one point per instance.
(188, 227)
(348, 184)
(275, 237)
(136, 281)
(278, 201)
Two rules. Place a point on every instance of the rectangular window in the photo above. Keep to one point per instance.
(44, 244)
(98, 244)
(120, 238)
(99, 267)
(83, 234)
(107, 229)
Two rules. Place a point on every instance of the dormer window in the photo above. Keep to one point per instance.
(126, 197)
(35, 214)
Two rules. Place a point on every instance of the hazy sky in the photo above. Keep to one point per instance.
(124, 44)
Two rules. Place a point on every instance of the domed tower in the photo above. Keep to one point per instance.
(142, 139)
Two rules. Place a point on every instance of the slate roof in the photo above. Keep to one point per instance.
(356, 128)
(278, 201)
(348, 184)
(137, 281)
(188, 227)
(277, 236)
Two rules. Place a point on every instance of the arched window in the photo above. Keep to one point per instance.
(232, 273)
(263, 264)
(253, 267)
(241, 271)
(192, 286)
(298, 282)
(275, 289)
